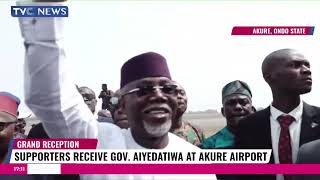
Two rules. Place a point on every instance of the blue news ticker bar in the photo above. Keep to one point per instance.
(39, 11)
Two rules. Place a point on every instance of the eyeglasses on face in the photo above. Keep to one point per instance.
(114, 103)
(181, 92)
(114, 100)
(169, 89)
(4, 125)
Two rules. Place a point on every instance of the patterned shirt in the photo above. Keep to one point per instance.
(223, 139)
(190, 133)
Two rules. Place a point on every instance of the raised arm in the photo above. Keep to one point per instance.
(49, 90)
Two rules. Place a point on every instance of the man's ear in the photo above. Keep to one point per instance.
(267, 77)
(222, 112)
(254, 109)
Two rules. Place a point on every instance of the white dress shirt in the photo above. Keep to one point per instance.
(294, 128)
(52, 95)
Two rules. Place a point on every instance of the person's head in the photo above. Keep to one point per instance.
(287, 71)
(237, 103)
(89, 97)
(8, 117)
(118, 116)
(148, 95)
(182, 101)
(104, 87)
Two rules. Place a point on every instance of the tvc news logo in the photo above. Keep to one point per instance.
(39, 11)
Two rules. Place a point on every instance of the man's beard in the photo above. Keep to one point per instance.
(156, 130)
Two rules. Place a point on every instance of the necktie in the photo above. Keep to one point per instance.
(284, 148)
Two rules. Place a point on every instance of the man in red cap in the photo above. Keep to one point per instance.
(147, 91)
(8, 117)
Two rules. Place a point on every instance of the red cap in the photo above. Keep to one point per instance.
(145, 65)
(9, 103)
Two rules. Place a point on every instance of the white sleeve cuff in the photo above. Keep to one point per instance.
(41, 28)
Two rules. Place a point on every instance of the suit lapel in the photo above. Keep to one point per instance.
(265, 131)
(308, 124)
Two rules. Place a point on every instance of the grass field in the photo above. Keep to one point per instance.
(209, 122)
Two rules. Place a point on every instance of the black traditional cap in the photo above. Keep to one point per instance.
(236, 87)
(149, 64)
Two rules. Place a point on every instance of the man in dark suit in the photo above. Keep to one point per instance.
(309, 154)
(288, 122)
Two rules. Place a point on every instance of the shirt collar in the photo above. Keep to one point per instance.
(296, 112)
(224, 139)
(227, 133)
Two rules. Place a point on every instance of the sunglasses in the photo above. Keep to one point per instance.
(114, 100)
(181, 92)
(114, 103)
(4, 125)
(169, 89)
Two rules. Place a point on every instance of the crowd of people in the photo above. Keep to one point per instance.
(146, 112)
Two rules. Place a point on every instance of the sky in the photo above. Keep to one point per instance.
(194, 36)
